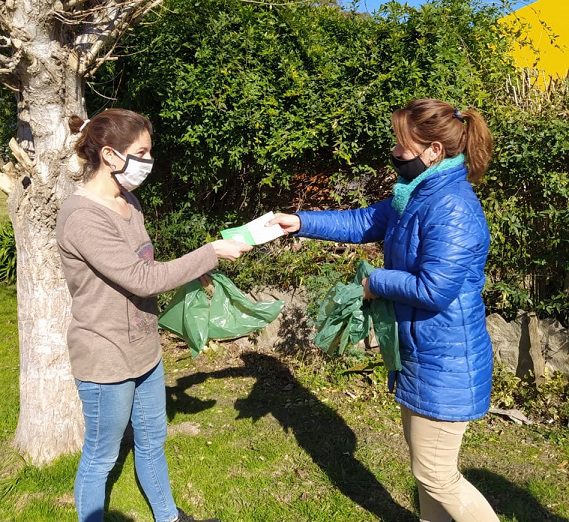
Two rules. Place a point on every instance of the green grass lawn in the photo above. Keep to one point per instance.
(258, 437)
(3, 206)
(8, 362)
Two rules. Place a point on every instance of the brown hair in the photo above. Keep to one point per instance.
(116, 128)
(425, 121)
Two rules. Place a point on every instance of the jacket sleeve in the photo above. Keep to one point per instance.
(452, 242)
(362, 225)
(90, 236)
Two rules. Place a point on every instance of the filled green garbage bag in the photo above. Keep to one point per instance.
(229, 314)
(345, 318)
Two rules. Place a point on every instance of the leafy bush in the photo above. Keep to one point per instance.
(7, 253)
(526, 200)
(292, 263)
(7, 119)
(548, 403)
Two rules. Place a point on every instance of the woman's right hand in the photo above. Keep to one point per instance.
(289, 223)
(230, 249)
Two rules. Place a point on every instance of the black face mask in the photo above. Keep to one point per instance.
(408, 169)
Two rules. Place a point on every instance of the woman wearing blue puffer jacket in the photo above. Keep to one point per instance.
(435, 247)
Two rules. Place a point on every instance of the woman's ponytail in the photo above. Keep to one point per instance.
(75, 124)
(478, 146)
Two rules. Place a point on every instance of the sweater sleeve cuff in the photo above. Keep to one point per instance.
(299, 231)
(210, 257)
(199, 262)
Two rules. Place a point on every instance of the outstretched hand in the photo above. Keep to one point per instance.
(230, 249)
(289, 223)
(206, 280)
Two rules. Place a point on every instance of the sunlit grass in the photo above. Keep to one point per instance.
(3, 206)
(258, 439)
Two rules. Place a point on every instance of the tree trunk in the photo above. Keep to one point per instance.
(50, 421)
(47, 49)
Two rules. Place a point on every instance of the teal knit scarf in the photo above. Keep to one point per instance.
(402, 189)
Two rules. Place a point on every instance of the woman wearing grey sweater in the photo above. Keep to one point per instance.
(114, 347)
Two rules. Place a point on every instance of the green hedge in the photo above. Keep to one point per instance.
(246, 97)
(526, 199)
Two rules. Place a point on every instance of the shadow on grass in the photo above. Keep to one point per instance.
(329, 441)
(177, 401)
(117, 516)
(508, 499)
(318, 429)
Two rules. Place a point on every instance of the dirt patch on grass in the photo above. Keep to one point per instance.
(65, 500)
(184, 428)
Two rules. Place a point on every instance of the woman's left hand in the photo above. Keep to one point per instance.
(367, 291)
(205, 280)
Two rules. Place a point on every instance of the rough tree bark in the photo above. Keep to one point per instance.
(47, 50)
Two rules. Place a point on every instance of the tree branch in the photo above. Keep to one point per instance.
(21, 155)
(8, 64)
(8, 175)
(5, 60)
(71, 4)
(6, 183)
(103, 26)
(268, 3)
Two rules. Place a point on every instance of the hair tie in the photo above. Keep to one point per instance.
(458, 115)
(84, 124)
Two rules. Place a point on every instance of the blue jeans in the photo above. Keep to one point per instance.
(107, 408)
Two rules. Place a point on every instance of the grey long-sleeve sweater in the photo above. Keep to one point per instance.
(109, 266)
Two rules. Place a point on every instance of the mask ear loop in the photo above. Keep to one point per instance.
(430, 155)
(112, 165)
(433, 156)
(117, 153)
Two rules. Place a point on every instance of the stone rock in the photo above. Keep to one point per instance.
(512, 347)
(555, 345)
(535, 350)
(291, 330)
(505, 340)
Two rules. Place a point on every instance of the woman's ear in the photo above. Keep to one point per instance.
(108, 157)
(436, 151)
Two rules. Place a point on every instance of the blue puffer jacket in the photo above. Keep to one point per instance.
(435, 254)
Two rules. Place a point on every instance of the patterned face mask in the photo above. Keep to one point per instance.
(134, 171)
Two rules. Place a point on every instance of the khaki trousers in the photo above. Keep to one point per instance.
(444, 494)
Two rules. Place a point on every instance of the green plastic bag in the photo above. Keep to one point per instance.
(344, 319)
(229, 314)
(341, 321)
